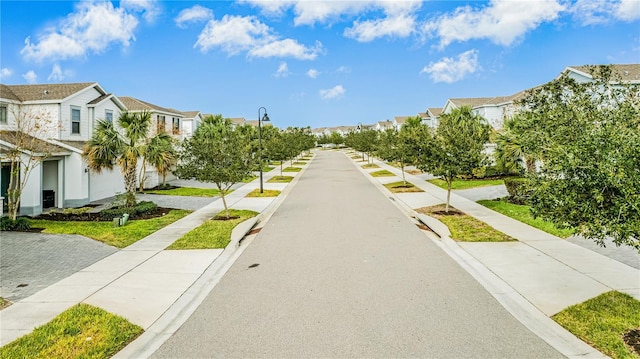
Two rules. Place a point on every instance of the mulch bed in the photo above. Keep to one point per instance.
(96, 217)
(632, 339)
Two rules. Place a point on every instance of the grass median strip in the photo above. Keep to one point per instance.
(463, 227)
(280, 179)
(381, 173)
(522, 213)
(4, 303)
(214, 233)
(466, 184)
(402, 187)
(82, 331)
(370, 165)
(187, 191)
(265, 193)
(604, 322)
(292, 169)
(105, 231)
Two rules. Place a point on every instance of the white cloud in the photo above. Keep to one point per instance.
(399, 19)
(503, 21)
(150, 8)
(92, 28)
(450, 69)
(195, 13)
(286, 48)
(283, 70)
(594, 12)
(366, 31)
(234, 34)
(57, 74)
(30, 77)
(343, 70)
(334, 92)
(628, 10)
(5, 73)
(313, 73)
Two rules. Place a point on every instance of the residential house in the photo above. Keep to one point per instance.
(190, 122)
(383, 125)
(399, 121)
(163, 119)
(60, 118)
(431, 117)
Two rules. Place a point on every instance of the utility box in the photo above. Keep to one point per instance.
(48, 198)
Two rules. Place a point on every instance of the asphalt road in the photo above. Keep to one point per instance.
(339, 271)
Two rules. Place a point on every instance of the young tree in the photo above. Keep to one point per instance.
(455, 148)
(398, 146)
(336, 138)
(218, 154)
(26, 149)
(108, 146)
(587, 136)
(276, 148)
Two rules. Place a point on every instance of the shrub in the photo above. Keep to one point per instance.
(20, 224)
(144, 207)
(518, 188)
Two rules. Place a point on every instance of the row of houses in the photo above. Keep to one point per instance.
(494, 109)
(61, 118)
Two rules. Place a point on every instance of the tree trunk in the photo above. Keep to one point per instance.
(280, 168)
(404, 181)
(130, 184)
(14, 192)
(143, 175)
(449, 183)
(224, 200)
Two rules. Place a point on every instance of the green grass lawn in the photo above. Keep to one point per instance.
(249, 179)
(4, 303)
(188, 191)
(465, 184)
(82, 331)
(603, 321)
(299, 163)
(292, 169)
(465, 228)
(105, 232)
(265, 193)
(212, 233)
(280, 179)
(370, 165)
(381, 173)
(401, 187)
(522, 213)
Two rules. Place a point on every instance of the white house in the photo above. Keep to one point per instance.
(190, 122)
(62, 117)
(163, 119)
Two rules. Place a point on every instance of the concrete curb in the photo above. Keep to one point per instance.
(524, 311)
(241, 230)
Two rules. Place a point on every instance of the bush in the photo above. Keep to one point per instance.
(144, 207)
(20, 224)
(519, 189)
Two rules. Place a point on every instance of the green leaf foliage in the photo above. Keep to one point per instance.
(587, 138)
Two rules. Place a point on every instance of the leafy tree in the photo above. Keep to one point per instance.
(336, 138)
(276, 148)
(587, 136)
(26, 128)
(108, 146)
(399, 146)
(455, 148)
(218, 154)
(365, 141)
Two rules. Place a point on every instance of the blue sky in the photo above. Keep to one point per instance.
(311, 63)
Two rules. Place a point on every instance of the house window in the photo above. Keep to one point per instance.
(75, 120)
(3, 114)
(176, 125)
(108, 115)
(162, 124)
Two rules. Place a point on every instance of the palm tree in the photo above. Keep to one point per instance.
(161, 154)
(107, 147)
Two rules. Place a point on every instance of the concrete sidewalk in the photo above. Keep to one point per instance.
(535, 277)
(550, 272)
(142, 281)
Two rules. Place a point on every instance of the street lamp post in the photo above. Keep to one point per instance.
(260, 120)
